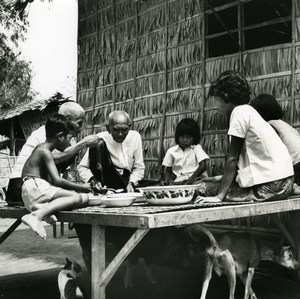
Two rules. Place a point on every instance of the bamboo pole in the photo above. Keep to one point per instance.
(96, 68)
(293, 66)
(114, 51)
(166, 86)
(135, 64)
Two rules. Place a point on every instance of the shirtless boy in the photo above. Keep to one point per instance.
(41, 198)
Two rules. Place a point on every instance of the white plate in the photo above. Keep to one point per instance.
(139, 197)
(117, 201)
(95, 200)
(169, 201)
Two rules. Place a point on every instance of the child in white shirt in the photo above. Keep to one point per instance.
(186, 160)
(270, 110)
(258, 166)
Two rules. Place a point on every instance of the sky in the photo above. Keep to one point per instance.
(51, 47)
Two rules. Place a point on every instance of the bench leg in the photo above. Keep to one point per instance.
(10, 230)
(62, 228)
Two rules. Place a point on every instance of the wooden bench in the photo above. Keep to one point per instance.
(144, 218)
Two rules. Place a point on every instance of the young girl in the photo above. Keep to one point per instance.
(186, 160)
(258, 166)
(270, 110)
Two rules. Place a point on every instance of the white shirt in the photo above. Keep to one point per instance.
(184, 162)
(264, 158)
(37, 137)
(289, 136)
(125, 155)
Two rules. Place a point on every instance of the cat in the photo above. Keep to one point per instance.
(67, 281)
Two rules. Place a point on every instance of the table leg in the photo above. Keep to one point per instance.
(100, 275)
(98, 260)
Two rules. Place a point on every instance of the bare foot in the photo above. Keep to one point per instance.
(296, 189)
(50, 219)
(35, 224)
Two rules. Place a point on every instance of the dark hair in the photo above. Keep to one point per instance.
(232, 87)
(267, 106)
(57, 123)
(187, 126)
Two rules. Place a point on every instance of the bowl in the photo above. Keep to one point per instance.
(95, 200)
(139, 196)
(118, 200)
(169, 195)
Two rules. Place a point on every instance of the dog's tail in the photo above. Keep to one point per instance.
(194, 230)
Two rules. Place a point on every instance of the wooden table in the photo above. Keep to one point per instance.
(143, 222)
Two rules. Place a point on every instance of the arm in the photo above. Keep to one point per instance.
(201, 168)
(83, 168)
(230, 168)
(56, 180)
(138, 165)
(167, 175)
(216, 178)
(230, 171)
(72, 150)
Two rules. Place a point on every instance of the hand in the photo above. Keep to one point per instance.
(209, 199)
(95, 184)
(90, 140)
(130, 187)
(86, 188)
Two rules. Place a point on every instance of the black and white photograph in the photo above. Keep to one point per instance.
(149, 149)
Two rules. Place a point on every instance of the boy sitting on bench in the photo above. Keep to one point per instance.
(44, 199)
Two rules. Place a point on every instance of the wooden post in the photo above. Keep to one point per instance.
(12, 138)
(98, 260)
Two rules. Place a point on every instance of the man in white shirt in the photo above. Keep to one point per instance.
(75, 114)
(117, 160)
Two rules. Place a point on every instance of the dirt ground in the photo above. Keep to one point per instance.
(29, 267)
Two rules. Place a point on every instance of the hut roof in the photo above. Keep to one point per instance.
(7, 113)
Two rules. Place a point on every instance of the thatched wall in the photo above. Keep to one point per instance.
(150, 59)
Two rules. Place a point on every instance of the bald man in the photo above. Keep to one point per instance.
(75, 114)
(117, 160)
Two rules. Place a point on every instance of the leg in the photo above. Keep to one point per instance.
(128, 278)
(243, 278)
(62, 200)
(207, 275)
(148, 271)
(227, 262)
(248, 282)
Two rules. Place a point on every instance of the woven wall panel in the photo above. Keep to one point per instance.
(183, 9)
(147, 58)
(267, 62)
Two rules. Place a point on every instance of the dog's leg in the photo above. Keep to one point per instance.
(243, 278)
(128, 278)
(207, 275)
(248, 283)
(226, 260)
(148, 271)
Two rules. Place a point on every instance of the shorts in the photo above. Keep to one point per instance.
(36, 190)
